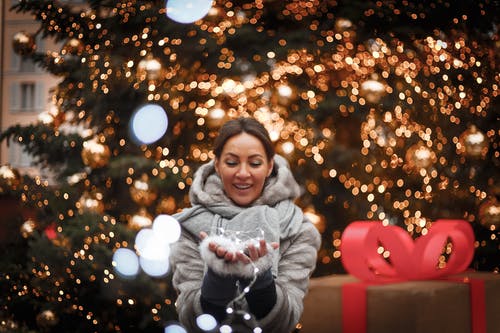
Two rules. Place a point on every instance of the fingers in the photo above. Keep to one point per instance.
(230, 257)
(241, 256)
(212, 246)
(263, 248)
(253, 252)
(221, 252)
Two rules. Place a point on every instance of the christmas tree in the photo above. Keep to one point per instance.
(386, 110)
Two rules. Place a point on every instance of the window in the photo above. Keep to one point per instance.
(18, 158)
(27, 96)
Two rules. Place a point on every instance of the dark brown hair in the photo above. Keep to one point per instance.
(244, 125)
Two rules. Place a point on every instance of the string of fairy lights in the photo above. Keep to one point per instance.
(437, 77)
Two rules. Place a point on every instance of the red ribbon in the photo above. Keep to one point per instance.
(354, 308)
(477, 302)
(408, 260)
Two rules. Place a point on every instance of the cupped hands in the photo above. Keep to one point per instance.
(251, 253)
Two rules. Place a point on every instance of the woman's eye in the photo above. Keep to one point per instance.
(256, 164)
(231, 163)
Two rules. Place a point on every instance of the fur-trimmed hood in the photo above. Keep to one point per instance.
(207, 187)
(274, 210)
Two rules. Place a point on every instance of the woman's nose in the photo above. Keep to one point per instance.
(243, 171)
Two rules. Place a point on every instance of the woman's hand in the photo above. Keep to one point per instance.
(253, 253)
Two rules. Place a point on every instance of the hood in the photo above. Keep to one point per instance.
(207, 189)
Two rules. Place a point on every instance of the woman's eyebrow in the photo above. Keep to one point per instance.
(238, 156)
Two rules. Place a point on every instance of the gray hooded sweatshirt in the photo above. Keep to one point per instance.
(275, 213)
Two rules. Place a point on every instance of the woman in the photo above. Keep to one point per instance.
(243, 230)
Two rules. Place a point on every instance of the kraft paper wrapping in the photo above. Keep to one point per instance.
(433, 306)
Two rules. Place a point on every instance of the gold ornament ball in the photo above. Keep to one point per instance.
(216, 117)
(167, 205)
(95, 154)
(473, 143)
(142, 192)
(489, 213)
(419, 156)
(10, 178)
(73, 46)
(372, 91)
(90, 202)
(53, 116)
(46, 319)
(284, 94)
(343, 24)
(23, 43)
(149, 68)
(27, 228)
(141, 219)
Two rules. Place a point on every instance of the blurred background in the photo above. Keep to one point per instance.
(385, 110)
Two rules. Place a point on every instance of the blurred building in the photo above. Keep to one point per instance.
(24, 86)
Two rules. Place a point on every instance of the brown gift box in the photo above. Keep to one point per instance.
(433, 306)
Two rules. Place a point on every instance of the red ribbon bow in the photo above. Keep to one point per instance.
(408, 259)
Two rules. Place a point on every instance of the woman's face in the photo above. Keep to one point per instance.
(243, 167)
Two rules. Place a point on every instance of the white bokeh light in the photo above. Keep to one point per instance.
(155, 267)
(126, 262)
(187, 11)
(155, 248)
(148, 124)
(142, 238)
(153, 245)
(168, 227)
(174, 328)
(225, 329)
(206, 322)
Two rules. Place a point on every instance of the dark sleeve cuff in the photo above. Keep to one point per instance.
(218, 289)
(262, 281)
(217, 311)
(261, 301)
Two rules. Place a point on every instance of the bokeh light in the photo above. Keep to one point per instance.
(148, 124)
(225, 329)
(167, 227)
(142, 238)
(155, 267)
(153, 244)
(187, 11)
(126, 262)
(174, 328)
(206, 322)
